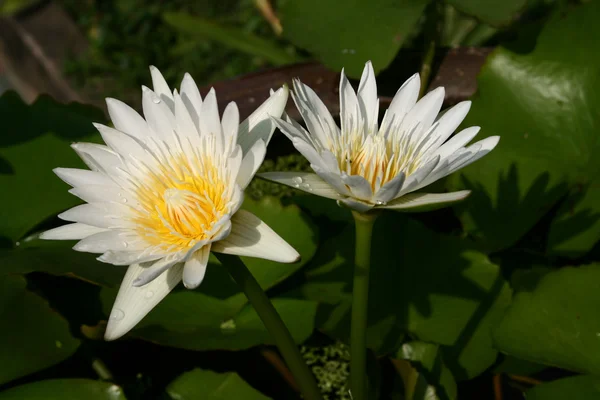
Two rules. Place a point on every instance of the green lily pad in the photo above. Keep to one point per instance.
(547, 146)
(493, 12)
(432, 286)
(35, 139)
(553, 319)
(208, 385)
(348, 35)
(35, 337)
(65, 389)
(576, 387)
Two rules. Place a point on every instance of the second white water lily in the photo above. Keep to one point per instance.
(366, 166)
(166, 190)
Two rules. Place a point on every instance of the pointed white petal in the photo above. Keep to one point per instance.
(190, 95)
(259, 124)
(250, 163)
(314, 112)
(309, 153)
(356, 204)
(186, 128)
(333, 178)
(209, 115)
(404, 99)
(97, 157)
(448, 122)
(122, 143)
(418, 178)
(390, 189)
(230, 123)
(349, 107)
(133, 303)
(306, 181)
(457, 141)
(253, 238)
(418, 202)
(126, 119)
(359, 186)
(111, 240)
(195, 268)
(160, 86)
(79, 177)
(158, 115)
(102, 215)
(293, 130)
(367, 97)
(100, 193)
(424, 112)
(151, 272)
(126, 258)
(71, 232)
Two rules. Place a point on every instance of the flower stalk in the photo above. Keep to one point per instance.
(274, 324)
(360, 301)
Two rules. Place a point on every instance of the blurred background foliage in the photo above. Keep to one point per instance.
(494, 299)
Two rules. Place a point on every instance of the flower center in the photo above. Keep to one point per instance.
(181, 203)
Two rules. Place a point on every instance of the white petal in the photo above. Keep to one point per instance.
(126, 119)
(252, 237)
(133, 303)
(293, 130)
(190, 95)
(349, 107)
(97, 157)
(356, 204)
(99, 215)
(448, 123)
(250, 163)
(416, 180)
(334, 179)
(317, 117)
(417, 202)
(111, 240)
(186, 128)
(424, 112)
(100, 193)
(259, 124)
(309, 153)
(126, 258)
(359, 186)
(79, 177)
(390, 189)
(457, 141)
(158, 115)
(160, 86)
(404, 99)
(195, 268)
(151, 272)
(306, 181)
(71, 232)
(122, 143)
(367, 97)
(230, 123)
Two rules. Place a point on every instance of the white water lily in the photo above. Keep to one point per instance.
(367, 166)
(166, 190)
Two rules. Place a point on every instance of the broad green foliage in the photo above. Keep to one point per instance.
(65, 389)
(430, 285)
(346, 35)
(494, 12)
(35, 139)
(548, 144)
(577, 387)
(208, 385)
(33, 336)
(554, 319)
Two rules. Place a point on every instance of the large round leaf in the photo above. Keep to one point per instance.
(554, 319)
(494, 12)
(208, 385)
(35, 139)
(548, 144)
(430, 285)
(576, 387)
(65, 389)
(34, 336)
(346, 35)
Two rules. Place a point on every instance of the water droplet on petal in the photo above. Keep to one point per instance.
(297, 180)
(380, 203)
(125, 244)
(117, 314)
(124, 200)
(296, 185)
(149, 294)
(156, 99)
(228, 326)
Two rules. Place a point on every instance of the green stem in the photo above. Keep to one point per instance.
(360, 301)
(274, 324)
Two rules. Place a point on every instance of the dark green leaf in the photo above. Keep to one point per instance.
(576, 387)
(494, 12)
(34, 336)
(554, 320)
(208, 385)
(232, 37)
(548, 144)
(65, 389)
(349, 34)
(430, 285)
(35, 139)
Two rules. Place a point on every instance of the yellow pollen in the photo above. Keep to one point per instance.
(180, 203)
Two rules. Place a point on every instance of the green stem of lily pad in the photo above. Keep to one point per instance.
(274, 324)
(360, 301)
